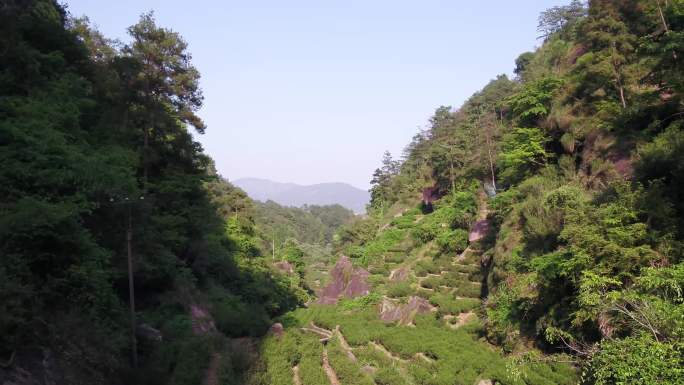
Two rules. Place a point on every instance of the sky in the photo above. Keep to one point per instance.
(315, 91)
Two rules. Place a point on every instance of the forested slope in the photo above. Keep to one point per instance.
(531, 236)
(95, 148)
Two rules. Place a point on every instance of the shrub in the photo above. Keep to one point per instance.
(403, 222)
(366, 301)
(454, 241)
(449, 305)
(395, 257)
(468, 289)
(637, 360)
(424, 267)
(386, 241)
(431, 282)
(423, 233)
(389, 376)
(463, 208)
(348, 372)
(465, 268)
(399, 289)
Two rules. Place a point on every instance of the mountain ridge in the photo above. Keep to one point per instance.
(293, 194)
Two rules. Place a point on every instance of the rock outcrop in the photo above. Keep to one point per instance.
(346, 281)
(404, 314)
(202, 321)
(479, 230)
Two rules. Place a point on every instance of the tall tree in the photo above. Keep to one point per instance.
(488, 136)
(167, 79)
(611, 50)
(556, 18)
(381, 182)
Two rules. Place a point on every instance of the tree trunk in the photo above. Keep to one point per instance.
(662, 16)
(491, 163)
(665, 26)
(145, 146)
(131, 286)
(146, 150)
(451, 174)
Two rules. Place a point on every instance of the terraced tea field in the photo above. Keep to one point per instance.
(420, 324)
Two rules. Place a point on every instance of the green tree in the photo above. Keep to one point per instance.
(611, 51)
(381, 184)
(523, 151)
(531, 103)
(166, 78)
(556, 18)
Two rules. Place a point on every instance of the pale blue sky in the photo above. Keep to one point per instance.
(315, 91)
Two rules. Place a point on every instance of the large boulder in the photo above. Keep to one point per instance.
(404, 314)
(346, 281)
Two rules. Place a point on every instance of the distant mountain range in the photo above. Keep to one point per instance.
(291, 194)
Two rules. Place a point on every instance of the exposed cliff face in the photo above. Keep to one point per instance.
(346, 281)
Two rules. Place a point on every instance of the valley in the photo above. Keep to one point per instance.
(531, 235)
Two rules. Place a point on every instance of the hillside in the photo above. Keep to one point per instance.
(532, 236)
(421, 321)
(290, 194)
(126, 259)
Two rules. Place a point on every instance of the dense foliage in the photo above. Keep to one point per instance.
(94, 142)
(309, 224)
(544, 217)
(581, 156)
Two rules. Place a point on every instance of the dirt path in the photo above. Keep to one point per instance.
(325, 334)
(345, 346)
(425, 358)
(211, 376)
(386, 352)
(329, 371)
(320, 329)
(296, 379)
